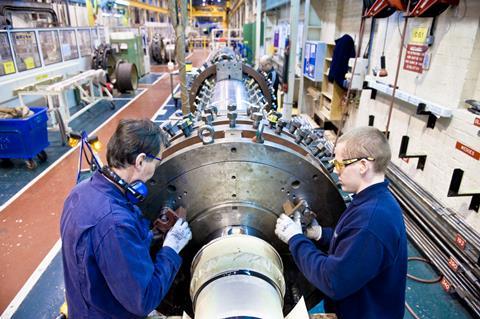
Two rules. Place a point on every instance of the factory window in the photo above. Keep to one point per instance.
(69, 44)
(95, 39)
(101, 35)
(6, 60)
(26, 50)
(50, 47)
(85, 42)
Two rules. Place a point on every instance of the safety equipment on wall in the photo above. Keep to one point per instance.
(126, 76)
(430, 8)
(383, 64)
(418, 8)
(377, 8)
(135, 192)
(178, 236)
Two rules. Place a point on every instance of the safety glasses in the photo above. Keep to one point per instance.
(153, 157)
(340, 165)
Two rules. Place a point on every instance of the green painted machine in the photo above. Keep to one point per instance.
(128, 47)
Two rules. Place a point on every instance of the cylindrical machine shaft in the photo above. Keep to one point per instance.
(230, 92)
(237, 276)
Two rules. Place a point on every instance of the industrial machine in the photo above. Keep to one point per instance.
(235, 166)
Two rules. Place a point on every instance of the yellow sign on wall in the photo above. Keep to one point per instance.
(41, 77)
(419, 35)
(9, 67)
(29, 63)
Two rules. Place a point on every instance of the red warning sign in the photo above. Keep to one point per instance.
(414, 57)
(467, 150)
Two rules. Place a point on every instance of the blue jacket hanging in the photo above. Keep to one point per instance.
(344, 51)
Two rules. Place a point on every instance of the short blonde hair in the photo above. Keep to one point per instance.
(367, 142)
(266, 59)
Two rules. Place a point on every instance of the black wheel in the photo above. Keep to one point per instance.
(31, 164)
(6, 163)
(42, 156)
(126, 75)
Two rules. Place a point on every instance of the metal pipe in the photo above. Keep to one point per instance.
(292, 57)
(402, 41)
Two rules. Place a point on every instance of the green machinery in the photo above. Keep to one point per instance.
(249, 39)
(128, 47)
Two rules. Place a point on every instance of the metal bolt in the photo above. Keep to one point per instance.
(232, 116)
(259, 134)
(170, 129)
(231, 107)
(254, 109)
(280, 125)
(186, 127)
(207, 118)
(318, 149)
(301, 134)
(294, 125)
(310, 138)
(329, 167)
(257, 118)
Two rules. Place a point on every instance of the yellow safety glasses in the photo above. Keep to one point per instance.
(340, 165)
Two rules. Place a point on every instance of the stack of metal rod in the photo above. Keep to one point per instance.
(447, 241)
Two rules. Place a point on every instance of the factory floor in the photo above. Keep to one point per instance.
(31, 275)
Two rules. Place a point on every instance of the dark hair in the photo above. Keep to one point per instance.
(133, 137)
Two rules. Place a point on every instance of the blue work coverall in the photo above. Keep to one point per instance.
(105, 248)
(364, 273)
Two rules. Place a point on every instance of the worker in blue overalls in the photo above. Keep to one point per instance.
(363, 275)
(105, 239)
(266, 66)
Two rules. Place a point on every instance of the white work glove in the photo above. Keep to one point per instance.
(286, 228)
(178, 236)
(314, 231)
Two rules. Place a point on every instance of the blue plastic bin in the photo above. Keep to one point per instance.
(24, 138)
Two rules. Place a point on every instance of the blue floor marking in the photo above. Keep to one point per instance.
(46, 296)
(149, 78)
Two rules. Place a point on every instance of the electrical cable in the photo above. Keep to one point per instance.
(422, 280)
(410, 310)
(385, 37)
